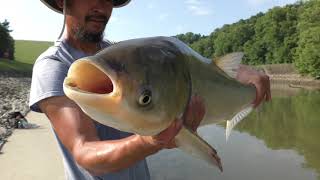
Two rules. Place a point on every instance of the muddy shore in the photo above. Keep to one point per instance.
(14, 95)
(287, 75)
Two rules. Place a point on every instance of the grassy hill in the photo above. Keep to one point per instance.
(26, 52)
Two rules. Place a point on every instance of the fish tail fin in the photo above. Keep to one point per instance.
(236, 119)
(194, 145)
(229, 63)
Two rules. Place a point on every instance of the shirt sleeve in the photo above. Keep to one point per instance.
(47, 81)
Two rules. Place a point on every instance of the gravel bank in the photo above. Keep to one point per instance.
(286, 74)
(14, 95)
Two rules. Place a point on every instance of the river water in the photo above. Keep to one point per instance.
(279, 141)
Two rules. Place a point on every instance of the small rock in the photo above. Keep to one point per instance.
(3, 132)
(12, 122)
(5, 108)
(14, 93)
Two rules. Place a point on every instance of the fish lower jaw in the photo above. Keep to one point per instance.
(79, 91)
(85, 76)
(70, 86)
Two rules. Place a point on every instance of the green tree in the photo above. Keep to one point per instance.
(6, 41)
(204, 47)
(307, 59)
(189, 37)
(231, 38)
(275, 37)
(288, 34)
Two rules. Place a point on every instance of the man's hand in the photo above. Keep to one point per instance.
(165, 139)
(246, 75)
(191, 119)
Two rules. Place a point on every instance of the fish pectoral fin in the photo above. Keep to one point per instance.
(230, 63)
(193, 144)
(236, 119)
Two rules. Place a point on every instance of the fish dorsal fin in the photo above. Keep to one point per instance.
(230, 63)
(236, 119)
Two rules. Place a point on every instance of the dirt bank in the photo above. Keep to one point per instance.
(286, 74)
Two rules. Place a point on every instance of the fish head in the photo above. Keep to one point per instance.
(138, 86)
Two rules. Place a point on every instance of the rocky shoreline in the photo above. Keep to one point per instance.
(14, 96)
(287, 75)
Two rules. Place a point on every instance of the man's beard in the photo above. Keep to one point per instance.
(85, 36)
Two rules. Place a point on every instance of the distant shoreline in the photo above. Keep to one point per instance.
(287, 75)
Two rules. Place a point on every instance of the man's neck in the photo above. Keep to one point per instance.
(86, 47)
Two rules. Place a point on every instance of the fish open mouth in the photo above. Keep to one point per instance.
(84, 76)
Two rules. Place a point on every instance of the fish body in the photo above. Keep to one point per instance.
(222, 94)
(143, 85)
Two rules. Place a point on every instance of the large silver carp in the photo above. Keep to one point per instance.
(142, 85)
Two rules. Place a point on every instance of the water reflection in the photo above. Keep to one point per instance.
(278, 142)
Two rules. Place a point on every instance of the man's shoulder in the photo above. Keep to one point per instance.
(61, 52)
(50, 53)
(51, 60)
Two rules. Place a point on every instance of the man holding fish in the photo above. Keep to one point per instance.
(92, 150)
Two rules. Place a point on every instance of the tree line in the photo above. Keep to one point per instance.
(6, 41)
(289, 34)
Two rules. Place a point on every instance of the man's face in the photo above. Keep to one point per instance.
(88, 18)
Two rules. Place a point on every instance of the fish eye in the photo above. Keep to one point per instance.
(145, 98)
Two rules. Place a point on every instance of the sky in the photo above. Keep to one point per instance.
(31, 20)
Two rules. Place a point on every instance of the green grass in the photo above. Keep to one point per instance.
(26, 53)
(9, 65)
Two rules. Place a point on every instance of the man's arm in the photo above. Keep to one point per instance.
(77, 132)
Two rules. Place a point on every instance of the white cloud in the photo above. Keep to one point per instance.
(194, 2)
(197, 7)
(197, 10)
(163, 16)
(117, 20)
(180, 29)
(257, 3)
(114, 19)
(150, 6)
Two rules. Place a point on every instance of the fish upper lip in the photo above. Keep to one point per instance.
(90, 80)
